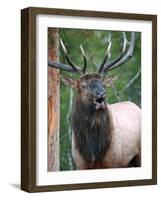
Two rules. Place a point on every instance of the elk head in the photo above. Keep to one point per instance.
(91, 87)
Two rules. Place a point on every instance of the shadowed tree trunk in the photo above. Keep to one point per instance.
(53, 101)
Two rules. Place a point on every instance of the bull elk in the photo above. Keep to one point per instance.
(103, 135)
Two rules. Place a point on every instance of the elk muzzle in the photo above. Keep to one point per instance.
(98, 94)
(99, 100)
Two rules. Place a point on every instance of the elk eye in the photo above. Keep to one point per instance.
(84, 85)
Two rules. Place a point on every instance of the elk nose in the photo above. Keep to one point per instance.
(101, 93)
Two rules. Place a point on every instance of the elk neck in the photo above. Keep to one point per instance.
(91, 130)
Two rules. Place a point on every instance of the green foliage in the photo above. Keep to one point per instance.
(95, 44)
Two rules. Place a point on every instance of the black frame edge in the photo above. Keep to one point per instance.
(24, 99)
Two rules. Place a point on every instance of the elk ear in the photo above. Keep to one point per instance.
(70, 82)
(108, 81)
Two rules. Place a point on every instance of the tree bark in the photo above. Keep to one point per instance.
(53, 101)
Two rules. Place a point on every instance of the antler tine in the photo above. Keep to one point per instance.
(75, 68)
(124, 42)
(100, 69)
(124, 57)
(107, 67)
(62, 66)
(84, 59)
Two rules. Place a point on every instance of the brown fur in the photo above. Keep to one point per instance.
(91, 129)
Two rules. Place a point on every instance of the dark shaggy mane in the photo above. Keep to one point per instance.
(91, 130)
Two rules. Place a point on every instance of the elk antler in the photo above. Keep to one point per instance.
(106, 55)
(123, 58)
(71, 67)
(84, 59)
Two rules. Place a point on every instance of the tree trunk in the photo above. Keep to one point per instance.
(53, 101)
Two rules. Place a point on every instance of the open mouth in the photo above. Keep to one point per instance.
(100, 100)
(99, 103)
